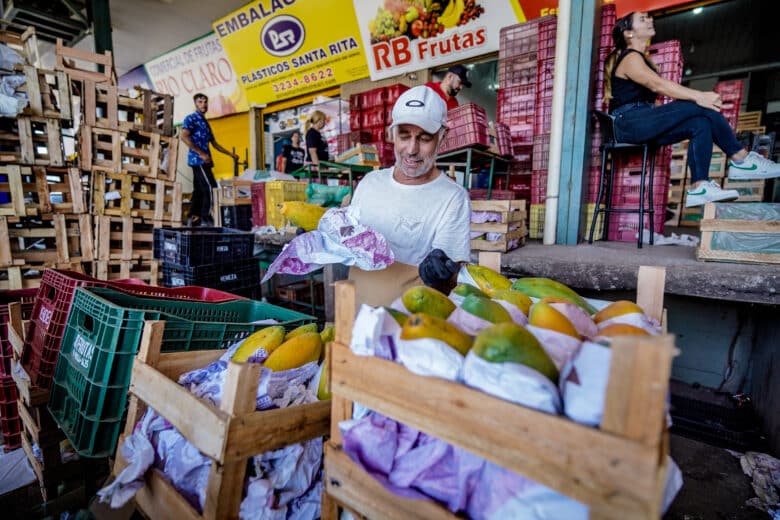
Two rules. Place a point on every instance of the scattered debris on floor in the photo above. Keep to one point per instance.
(764, 471)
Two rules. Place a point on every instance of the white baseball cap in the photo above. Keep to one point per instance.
(420, 106)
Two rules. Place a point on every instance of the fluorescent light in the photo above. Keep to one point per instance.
(697, 10)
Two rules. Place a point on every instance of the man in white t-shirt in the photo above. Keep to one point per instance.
(422, 213)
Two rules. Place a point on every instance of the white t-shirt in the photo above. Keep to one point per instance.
(416, 219)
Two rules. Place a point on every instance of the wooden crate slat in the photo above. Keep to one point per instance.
(710, 225)
(498, 205)
(66, 58)
(66, 239)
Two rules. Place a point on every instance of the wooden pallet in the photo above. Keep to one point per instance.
(749, 191)
(512, 226)
(746, 120)
(25, 43)
(31, 140)
(20, 277)
(679, 165)
(107, 106)
(52, 240)
(122, 194)
(618, 470)
(123, 238)
(83, 65)
(49, 93)
(30, 190)
(234, 192)
(137, 152)
(229, 435)
(145, 270)
(710, 225)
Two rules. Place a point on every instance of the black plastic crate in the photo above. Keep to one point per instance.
(201, 246)
(237, 217)
(230, 275)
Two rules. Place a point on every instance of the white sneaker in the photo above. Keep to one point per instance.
(754, 167)
(708, 191)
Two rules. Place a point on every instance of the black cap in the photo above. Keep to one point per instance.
(462, 73)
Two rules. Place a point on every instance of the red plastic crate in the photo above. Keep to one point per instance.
(186, 293)
(518, 39)
(355, 102)
(355, 119)
(522, 134)
(518, 70)
(343, 143)
(258, 204)
(373, 98)
(516, 105)
(27, 299)
(466, 135)
(545, 75)
(482, 193)
(360, 137)
(608, 17)
(373, 117)
(548, 29)
(374, 134)
(503, 139)
(623, 227)
(386, 153)
(541, 152)
(467, 114)
(625, 192)
(543, 116)
(393, 92)
(10, 425)
(538, 186)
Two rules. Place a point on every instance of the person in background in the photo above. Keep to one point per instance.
(316, 146)
(292, 154)
(423, 214)
(453, 82)
(631, 86)
(197, 135)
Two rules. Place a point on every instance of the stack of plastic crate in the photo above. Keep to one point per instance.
(731, 97)
(468, 126)
(370, 115)
(219, 258)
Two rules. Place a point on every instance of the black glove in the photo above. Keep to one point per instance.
(437, 269)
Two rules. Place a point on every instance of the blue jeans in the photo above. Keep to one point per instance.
(675, 122)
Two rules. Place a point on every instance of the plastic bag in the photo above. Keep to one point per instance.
(326, 196)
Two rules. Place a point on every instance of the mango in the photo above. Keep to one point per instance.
(516, 298)
(422, 325)
(622, 329)
(512, 343)
(397, 315)
(268, 338)
(464, 289)
(309, 327)
(430, 301)
(296, 352)
(545, 316)
(618, 308)
(485, 308)
(543, 287)
(487, 279)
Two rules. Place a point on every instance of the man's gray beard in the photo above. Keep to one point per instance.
(422, 171)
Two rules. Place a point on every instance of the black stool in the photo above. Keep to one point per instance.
(609, 145)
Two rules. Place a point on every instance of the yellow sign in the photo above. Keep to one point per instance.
(285, 48)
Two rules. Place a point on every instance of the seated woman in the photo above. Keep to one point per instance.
(631, 86)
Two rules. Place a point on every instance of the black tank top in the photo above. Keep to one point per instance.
(625, 91)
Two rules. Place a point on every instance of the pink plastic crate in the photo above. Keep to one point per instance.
(541, 152)
(467, 114)
(519, 39)
(543, 116)
(373, 134)
(10, 425)
(504, 139)
(608, 17)
(623, 227)
(625, 192)
(538, 186)
(481, 194)
(518, 70)
(354, 102)
(545, 75)
(516, 105)
(355, 119)
(373, 98)
(343, 143)
(258, 204)
(466, 135)
(393, 92)
(373, 117)
(548, 29)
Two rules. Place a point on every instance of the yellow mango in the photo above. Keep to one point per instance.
(423, 325)
(268, 338)
(309, 327)
(512, 343)
(296, 352)
(516, 298)
(545, 316)
(618, 308)
(485, 308)
(487, 279)
(428, 300)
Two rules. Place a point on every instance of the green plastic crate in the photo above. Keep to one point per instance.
(103, 332)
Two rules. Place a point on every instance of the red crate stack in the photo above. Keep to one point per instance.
(668, 59)
(548, 30)
(731, 97)
(468, 126)
(10, 424)
(541, 152)
(374, 113)
(538, 186)
(504, 139)
(386, 153)
(518, 40)
(623, 227)
(515, 108)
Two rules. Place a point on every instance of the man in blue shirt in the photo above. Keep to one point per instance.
(196, 133)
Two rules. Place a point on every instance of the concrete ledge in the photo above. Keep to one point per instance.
(608, 266)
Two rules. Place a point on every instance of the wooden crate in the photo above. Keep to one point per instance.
(234, 192)
(30, 190)
(748, 120)
(48, 92)
(83, 65)
(229, 435)
(122, 194)
(679, 165)
(145, 270)
(137, 152)
(107, 106)
(20, 277)
(618, 470)
(123, 238)
(710, 224)
(512, 226)
(53, 240)
(362, 154)
(25, 43)
(677, 189)
(31, 140)
(749, 191)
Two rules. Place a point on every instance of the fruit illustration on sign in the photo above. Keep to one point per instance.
(420, 18)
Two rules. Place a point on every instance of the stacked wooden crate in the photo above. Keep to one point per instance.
(680, 183)
(504, 231)
(128, 151)
(233, 204)
(44, 220)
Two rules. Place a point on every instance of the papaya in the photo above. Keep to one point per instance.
(430, 301)
(543, 287)
(397, 315)
(513, 343)
(268, 338)
(545, 316)
(302, 214)
(296, 352)
(328, 334)
(464, 289)
(516, 298)
(618, 308)
(487, 279)
(309, 327)
(322, 389)
(422, 325)
(485, 308)
(622, 329)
